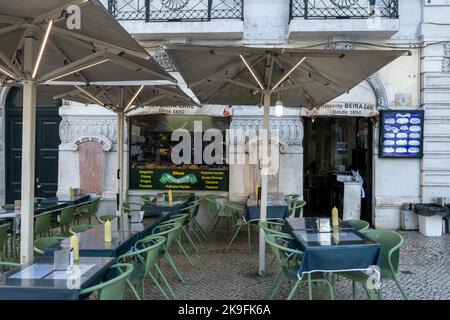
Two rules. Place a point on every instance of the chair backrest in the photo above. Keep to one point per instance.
(42, 222)
(214, 206)
(9, 206)
(280, 251)
(5, 266)
(93, 206)
(67, 215)
(147, 199)
(182, 218)
(359, 225)
(296, 207)
(290, 198)
(233, 208)
(104, 218)
(144, 256)
(270, 227)
(390, 243)
(80, 228)
(192, 208)
(113, 289)
(43, 243)
(169, 230)
(4, 228)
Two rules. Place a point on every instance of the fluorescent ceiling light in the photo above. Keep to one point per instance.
(251, 71)
(287, 74)
(4, 71)
(41, 51)
(90, 96)
(79, 69)
(133, 98)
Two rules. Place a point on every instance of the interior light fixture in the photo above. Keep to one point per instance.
(279, 107)
(41, 50)
(4, 71)
(251, 71)
(90, 95)
(133, 98)
(79, 69)
(288, 74)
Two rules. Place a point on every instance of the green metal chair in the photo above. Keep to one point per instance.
(215, 208)
(390, 243)
(183, 220)
(106, 217)
(67, 218)
(43, 243)
(42, 224)
(79, 228)
(4, 229)
(192, 210)
(92, 209)
(237, 210)
(8, 265)
(113, 289)
(8, 206)
(170, 231)
(148, 199)
(289, 260)
(359, 225)
(144, 258)
(290, 199)
(295, 209)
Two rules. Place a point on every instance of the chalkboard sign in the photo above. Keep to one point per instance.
(401, 134)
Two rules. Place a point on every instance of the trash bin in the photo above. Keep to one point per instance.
(430, 218)
(409, 219)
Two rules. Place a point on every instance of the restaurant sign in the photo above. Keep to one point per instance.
(206, 110)
(347, 109)
(183, 179)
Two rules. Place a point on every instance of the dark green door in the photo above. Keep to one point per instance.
(47, 143)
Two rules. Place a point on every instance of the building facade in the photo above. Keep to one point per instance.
(420, 81)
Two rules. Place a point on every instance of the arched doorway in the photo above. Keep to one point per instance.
(47, 143)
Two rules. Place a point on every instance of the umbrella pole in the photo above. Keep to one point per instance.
(28, 157)
(264, 178)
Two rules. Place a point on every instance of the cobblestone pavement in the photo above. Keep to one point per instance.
(424, 271)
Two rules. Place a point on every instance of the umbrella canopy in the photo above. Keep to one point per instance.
(250, 76)
(99, 50)
(75, 41)
(239, 75)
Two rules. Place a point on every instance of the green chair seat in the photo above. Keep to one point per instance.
(42, 244)
(113, 289)
(80, 228)
(104, 218)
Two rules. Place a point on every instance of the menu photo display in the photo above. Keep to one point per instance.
(401, 134)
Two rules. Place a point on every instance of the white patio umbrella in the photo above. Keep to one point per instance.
(121, 100)
(250, 76)
(76, 41)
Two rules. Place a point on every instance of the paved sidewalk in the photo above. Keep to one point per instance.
(424, 271)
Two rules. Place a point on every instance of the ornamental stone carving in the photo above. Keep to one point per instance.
(73, 131)
(163, 60)
(446, 60)
(290, 132)
(379, 91)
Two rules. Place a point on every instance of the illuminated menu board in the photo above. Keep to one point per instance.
(401, 134)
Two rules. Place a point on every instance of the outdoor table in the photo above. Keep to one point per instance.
(277, 207)
(39, 281)
(178, 203)
(91, 243)
(307, 223)
(67, 199)
(341, 250)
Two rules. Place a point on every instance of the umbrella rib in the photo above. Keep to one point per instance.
(174, 94)
(11, 19)
(243, 68)
(130, 91)
(70, 35)
(10, 28)
(71, 67)
(145, 103)
(11, 65)
(134, 66)
(65, 56)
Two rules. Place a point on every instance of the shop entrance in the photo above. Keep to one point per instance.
(333, 147)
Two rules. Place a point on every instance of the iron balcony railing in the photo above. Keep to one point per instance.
(175, 10)
(343, 9)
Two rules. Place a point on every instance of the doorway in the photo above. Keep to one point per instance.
(47, 144)
(334, 147)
